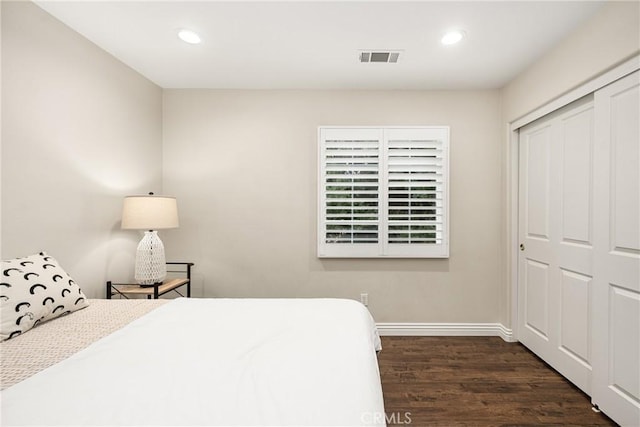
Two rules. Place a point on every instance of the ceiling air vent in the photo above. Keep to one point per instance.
(379, 56)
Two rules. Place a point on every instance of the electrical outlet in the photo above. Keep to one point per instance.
(364, 299)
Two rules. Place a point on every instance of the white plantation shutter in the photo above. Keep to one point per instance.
(416, 167)
(383, 192)
(350, 191)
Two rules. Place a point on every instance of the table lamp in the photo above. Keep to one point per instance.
(150, 213)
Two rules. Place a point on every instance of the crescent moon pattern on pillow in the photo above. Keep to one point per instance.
(33, 290)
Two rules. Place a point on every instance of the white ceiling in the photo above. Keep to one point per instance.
(304, 44)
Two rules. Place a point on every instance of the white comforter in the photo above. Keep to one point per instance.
(282, 362)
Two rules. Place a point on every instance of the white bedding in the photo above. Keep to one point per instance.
(280, 362)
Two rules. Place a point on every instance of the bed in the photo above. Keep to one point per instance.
(276, 362)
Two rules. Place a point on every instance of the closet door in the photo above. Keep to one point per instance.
(555, 276)
(616, 302)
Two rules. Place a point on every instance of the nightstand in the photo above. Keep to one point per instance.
(156, 290)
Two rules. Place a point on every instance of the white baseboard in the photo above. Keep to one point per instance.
(446, 329)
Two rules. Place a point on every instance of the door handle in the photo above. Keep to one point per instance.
(522, 246)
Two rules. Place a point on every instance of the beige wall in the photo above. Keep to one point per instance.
(607, 39)
(79, 131)
(243, 165)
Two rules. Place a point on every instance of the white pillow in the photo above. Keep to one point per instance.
(35, 289)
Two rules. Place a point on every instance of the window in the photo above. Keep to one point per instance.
(383, 192)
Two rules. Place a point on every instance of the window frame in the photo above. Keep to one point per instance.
(382, 248)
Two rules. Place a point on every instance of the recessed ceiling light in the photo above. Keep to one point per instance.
(452, 37)
(189, 36)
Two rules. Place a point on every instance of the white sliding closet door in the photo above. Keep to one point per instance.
(555, 277)
(616, 302)
(579, 260)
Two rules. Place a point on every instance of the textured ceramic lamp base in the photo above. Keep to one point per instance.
(150, 260)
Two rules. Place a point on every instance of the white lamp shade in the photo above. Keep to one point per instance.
(149, 212)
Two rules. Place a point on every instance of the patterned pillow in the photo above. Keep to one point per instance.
(35, 289)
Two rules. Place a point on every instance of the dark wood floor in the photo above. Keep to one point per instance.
(476, 381)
